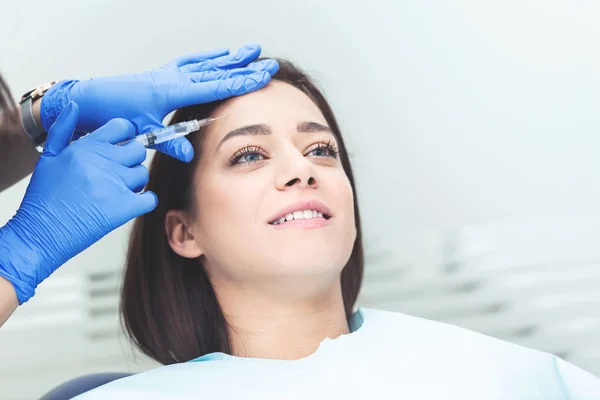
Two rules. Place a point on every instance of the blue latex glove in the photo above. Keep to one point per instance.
(77, 195)
(146, 98)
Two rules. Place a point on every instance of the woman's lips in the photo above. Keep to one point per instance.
(312, 223)
(297, 210)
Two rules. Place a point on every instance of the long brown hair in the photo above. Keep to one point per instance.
(168, 305)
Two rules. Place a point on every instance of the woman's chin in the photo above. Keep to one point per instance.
(305, 264)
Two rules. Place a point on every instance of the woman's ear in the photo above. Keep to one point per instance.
(180, 235)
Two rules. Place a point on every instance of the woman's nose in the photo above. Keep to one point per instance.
(301, 174)
(311, 181)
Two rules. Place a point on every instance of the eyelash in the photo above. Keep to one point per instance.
(251, 149)
(328, 145)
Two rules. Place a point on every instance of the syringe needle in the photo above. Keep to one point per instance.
(206, 121)
(219, 117)
(172, 131)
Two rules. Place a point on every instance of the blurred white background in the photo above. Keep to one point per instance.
(473, 128)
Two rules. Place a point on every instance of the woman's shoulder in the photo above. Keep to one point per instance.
(412, 332)
(446, 348)
(393, 320)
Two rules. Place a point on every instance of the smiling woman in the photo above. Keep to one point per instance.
(253, 261)
(278, 154)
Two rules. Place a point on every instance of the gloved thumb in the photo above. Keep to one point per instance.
(62, 130)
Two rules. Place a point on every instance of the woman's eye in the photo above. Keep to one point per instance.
(250, 157)
(321, 152)
(246, 156)
(324, 150)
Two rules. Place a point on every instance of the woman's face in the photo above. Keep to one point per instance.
(271, 197)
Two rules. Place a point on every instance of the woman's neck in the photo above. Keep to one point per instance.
(261, 326)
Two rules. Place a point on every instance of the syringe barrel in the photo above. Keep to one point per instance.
(166, 133)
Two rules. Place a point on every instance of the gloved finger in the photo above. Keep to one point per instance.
(135, 205)
(207, 92)
(146, 202)
(114, 131)
(135, 178)
(129, 154)
(197, 77)
(62, 130)
(270, 66)
(199, 57)
(244, 56)
(179, 148)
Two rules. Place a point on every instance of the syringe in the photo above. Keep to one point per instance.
(173, 131)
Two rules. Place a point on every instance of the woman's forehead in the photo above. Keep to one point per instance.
(278, 104)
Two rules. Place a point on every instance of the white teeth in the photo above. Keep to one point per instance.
(306, 214)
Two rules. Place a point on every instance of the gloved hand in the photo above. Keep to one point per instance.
(78, 193)
(146, 98)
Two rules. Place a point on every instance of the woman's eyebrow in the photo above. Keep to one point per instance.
(263, 129)
(257, 129)
(309, 126)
